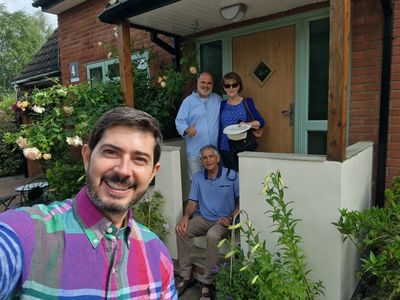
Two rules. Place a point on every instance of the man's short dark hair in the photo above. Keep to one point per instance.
(130, 117)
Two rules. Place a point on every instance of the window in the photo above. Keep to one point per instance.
(109, 69)
(317, 111)
(211, 61)
(318, 70)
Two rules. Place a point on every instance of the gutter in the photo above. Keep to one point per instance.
(36, 77)
(46, 4)
(387, 6)
(127, 9)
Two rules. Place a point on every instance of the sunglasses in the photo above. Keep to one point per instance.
(233, 85)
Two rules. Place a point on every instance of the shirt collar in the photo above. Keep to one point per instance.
(94, 224)
(218, 174)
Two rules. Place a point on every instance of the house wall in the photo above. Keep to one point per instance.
(367, 35)
(80, 31)
(393, 161)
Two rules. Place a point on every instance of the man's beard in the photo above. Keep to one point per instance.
(112, 207)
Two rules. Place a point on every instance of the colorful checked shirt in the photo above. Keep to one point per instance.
(69, 250)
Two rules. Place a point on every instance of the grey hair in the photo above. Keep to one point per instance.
(204, 148)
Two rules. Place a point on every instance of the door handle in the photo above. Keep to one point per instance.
(290, 112)
(287, 111)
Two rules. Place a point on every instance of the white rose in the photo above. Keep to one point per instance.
(163, 84)
(69, 110)
(38, 109)
(32, 153)
(74, 141)
(22, 142)
(46, 156)
(193, 70)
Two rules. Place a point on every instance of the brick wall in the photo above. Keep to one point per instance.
(367, 20)
(366, 76)
(393, 161)
(80, 30)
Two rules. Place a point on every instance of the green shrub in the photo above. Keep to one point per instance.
(148, 211)
(10, 157)
(66, 177)
(376, 234)
(161, 95)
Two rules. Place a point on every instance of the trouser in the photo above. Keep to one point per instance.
(198, 226)
(194, 165)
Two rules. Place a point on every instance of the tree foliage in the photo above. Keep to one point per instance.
(21, 36)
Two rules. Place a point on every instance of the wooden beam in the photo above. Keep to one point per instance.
(339, 64)
(125, 63)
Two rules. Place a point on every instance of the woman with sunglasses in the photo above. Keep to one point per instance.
(234, 111)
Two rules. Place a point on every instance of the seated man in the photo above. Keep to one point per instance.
(215, 196)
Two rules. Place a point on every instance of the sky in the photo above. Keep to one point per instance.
(26, 6)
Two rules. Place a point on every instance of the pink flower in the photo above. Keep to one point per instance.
(32, 153)
(22, 142)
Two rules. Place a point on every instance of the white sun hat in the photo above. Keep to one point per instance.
(237, 131)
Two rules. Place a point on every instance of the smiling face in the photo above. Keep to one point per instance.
(120, 168)
(231, 88)
(204, 85)
(210, 160)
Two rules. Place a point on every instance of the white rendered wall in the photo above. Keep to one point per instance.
(168, 183)
(318, 188)
(356, 195)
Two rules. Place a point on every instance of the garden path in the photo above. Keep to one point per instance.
(8, 184)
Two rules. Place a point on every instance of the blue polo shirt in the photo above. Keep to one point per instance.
(216, 197)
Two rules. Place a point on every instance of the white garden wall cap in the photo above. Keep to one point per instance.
(237, 131)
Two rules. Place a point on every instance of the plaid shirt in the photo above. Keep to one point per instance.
(69, 250)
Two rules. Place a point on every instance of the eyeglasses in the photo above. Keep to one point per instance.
(233, 85)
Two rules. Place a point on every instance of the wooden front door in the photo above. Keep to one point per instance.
(274, 48)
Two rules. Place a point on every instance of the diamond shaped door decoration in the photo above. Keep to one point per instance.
(262, 72)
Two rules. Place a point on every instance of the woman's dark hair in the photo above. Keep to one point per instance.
(130, 117)
(232, 76)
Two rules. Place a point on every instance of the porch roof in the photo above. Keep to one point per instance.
(186, 17)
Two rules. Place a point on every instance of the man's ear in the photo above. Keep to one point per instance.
(86, 155)
(156, 168)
